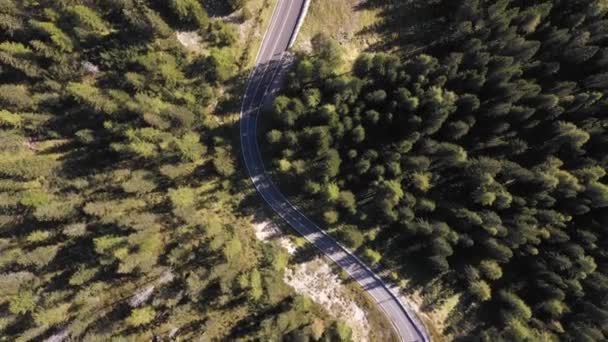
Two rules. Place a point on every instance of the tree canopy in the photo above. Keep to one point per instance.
(119, 190)
(481, 160)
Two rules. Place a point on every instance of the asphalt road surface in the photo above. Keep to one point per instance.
(264, 81)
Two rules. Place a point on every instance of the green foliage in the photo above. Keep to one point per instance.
(82, 276)
(8, 119)
(274, 136)
(476, 155)
(49, 30)
(352, 237)
(223, 34)
(328, 50)
(236, 4)
(52, 316)
(38, 236)
(91, 96)
(182, 197)
(421, 181)
(372, 256)
(341, 331)
(140, 182)
(39, 257)
(255, 282)
(191, 11)
(223, 163)
(161, 67)
(481, 290)
(9, 23)
(15, 97)
(348, 202)
(190, 148)
(27, 167)
(519, 308)
(232, 249)
(22, 302)
(284, 165)
(88, 22)
(332, 192)
(491, 269)
(222, 65)
(141, 316)
(598, 193)
(118, 201)
(330, 216)
(34, 198)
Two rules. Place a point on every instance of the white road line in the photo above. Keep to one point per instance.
(269, 28)
(277, 5)
(352, 264)
(274, 46)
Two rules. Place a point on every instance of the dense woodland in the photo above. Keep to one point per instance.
(117, 205)
(481, 159)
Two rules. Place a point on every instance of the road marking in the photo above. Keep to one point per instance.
(286, 17)
(269, 28)
(277, 201)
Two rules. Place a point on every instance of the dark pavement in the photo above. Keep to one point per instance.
(271, 63)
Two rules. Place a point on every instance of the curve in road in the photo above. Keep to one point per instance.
(265, 78)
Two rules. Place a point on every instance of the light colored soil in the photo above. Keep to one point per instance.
(268, 231)
(191, 40)
(144, 294)
(62, 335)
(315, 279)
(141, 296)
(342, 20)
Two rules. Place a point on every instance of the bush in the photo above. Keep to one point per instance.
(330, 216)
(352, 237)
(372, 256)
(192, 12)
(141, 316)
(246, 14)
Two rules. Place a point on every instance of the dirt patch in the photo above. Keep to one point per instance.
(268, 231)
(144, 294)
(191, 40)
(316, 280)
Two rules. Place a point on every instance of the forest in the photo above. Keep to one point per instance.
(119, 217)
(480, 161)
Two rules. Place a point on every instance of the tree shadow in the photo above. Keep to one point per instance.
(306, 253)
(251, 323)
(408, 26)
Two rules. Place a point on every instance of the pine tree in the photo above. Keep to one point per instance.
(141, 316)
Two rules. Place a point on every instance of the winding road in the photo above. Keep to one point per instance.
(271, 63)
